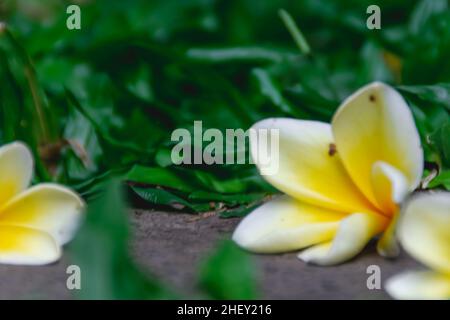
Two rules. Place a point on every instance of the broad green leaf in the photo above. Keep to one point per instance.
(240, 211)
(423, 11)
(139, 84)
(101, 250)
(442, 180)
(433, 94)
(163, 197)
(157, 176)
(271, 91)
(440, 140)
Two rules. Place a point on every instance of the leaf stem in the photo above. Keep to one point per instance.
(33, 86)
(295, 32)
(31, 79)
(304, 47)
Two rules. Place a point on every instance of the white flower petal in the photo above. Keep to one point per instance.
(375, 124)
(424, 230)
(25, 246)
(309, 168)
(284, 224)
(353, 234)
(46, 207)
(419, 285)
(16, 170)
(390, 187)
(387, 245)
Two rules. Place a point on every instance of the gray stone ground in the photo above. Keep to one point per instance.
(173, 245)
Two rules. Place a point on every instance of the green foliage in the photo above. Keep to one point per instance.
(438, 94)
(440, 139)
(106, 98)
(442, 180)
(194, 190)
(433, 120)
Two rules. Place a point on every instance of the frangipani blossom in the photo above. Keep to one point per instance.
(343, 182)
(424, 232)
(34, 222)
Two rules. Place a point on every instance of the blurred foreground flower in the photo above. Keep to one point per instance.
(424, 232)
(34, 222)
(343, 182)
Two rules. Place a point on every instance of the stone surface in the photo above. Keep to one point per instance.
(172, 246)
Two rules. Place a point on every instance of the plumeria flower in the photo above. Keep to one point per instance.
(34, 222)
(424, 232)
(343, 182)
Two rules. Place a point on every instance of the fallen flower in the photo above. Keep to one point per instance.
(424, 232)
(343, 182)
(34, 222)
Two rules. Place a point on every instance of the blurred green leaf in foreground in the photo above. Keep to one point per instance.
(101, 250)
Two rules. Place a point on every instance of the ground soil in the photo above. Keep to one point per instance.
(173, 245)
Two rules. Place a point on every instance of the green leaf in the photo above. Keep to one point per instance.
(442, 180)
(139, 85)
(157, 176)
(423, 11)
(181, 188)
(440, 140)
(229, 274)
(437, 94)
(163, 157)
(239, 212)
(211, 182)
(91, 188)
(270, 90)
(86, 152)
(426, 53)
(163, 197)
(374, 67)
(101, 251)
(295, 32)
(227, 55)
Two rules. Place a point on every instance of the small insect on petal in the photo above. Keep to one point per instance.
(332, 149)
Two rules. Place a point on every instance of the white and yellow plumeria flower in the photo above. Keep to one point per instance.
(343, 182)
(34, 222)
(424, 232)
